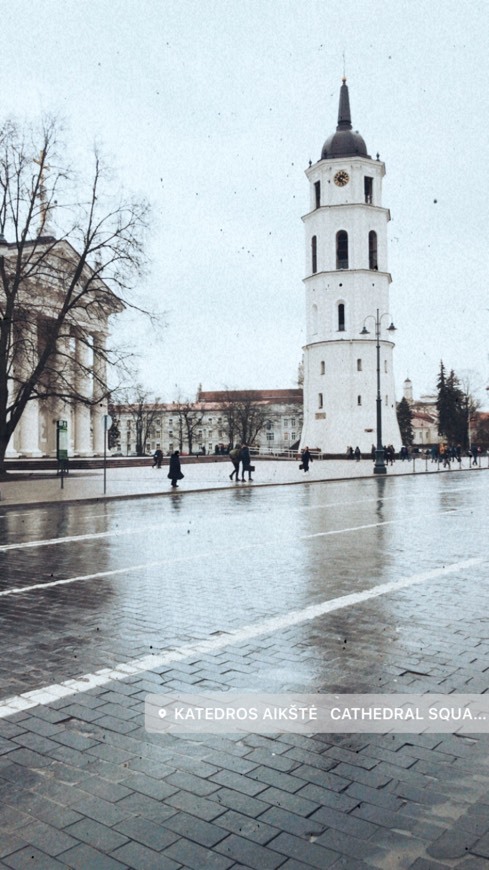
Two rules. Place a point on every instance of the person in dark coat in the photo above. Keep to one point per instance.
(245, 459)
(234, 457)
(175, 472)
(306, 458)
(157, 458)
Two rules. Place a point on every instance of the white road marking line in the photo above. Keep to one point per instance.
(70, 539)
(48, 694)
(200, 555)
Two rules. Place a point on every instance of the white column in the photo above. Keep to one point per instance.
(28, 440)
(99, 385)
(64, 370)
(83, 443)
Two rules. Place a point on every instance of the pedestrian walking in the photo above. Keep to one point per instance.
(175, 472)
(157, 458)
(358, 455)
(245, 459)
(306, 458)
(234, 457)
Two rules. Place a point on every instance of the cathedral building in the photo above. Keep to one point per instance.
(349, 347)
(73, 384)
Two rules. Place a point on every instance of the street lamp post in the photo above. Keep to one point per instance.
(379, 466)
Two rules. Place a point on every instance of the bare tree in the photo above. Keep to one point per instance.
(245, 416)
(68, 260)
(190, 418)
(143, 409)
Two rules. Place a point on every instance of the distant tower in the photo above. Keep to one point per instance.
(407, 390)
(346, 282)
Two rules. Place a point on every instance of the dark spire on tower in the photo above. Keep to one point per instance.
(345, 142)
(344, 115)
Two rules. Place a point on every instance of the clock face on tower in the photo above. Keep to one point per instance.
(341, 178)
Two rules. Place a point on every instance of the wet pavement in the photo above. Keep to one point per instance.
(127, 481)
(89, 591)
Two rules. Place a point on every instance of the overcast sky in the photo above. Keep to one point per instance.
(213, 109)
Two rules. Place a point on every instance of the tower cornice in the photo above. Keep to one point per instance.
(353, 205)
(343, 272)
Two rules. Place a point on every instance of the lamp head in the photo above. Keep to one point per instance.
(366, 332)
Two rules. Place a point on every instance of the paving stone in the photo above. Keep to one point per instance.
(311, 854)
(378, 797)
(97, 835)
(317, 797)
(140, 857)
(191, 783)
(32, 857)
(479, 847)
(144, 831)
(191, 855)
(455, 843)
(346, 844)
(235, 763)
(156, 788)
(238, 782)
(102, 811)
(47, 838)
(149, 808)
(11, 842)
(204, 808)
(255, 829)
(346, 822)
(197, 830)
(84, 856)
(383, 817)
(250, 854)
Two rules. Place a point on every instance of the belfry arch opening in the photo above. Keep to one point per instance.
(341, 317)
(342, 250)
(372, 250)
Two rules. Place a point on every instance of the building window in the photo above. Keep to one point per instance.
(372, 250)
(387, 400)
(359, 365)
(341, 317)
(286, 436)
(342, 250)
(359, 400)
(314, 254)
(270, 436)
(323, 367)
(286, 424)
(385, 366)
(317, 193)
(368, 184)
(320, 400)
(292, 422)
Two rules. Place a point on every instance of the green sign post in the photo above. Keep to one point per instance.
(62, 448)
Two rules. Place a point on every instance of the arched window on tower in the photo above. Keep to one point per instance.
(314, 254)
(342, 250)
(317, 193)
(323, 367)
(341, 317)
(372, 250)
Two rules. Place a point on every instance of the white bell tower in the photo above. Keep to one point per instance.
(347, 288)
